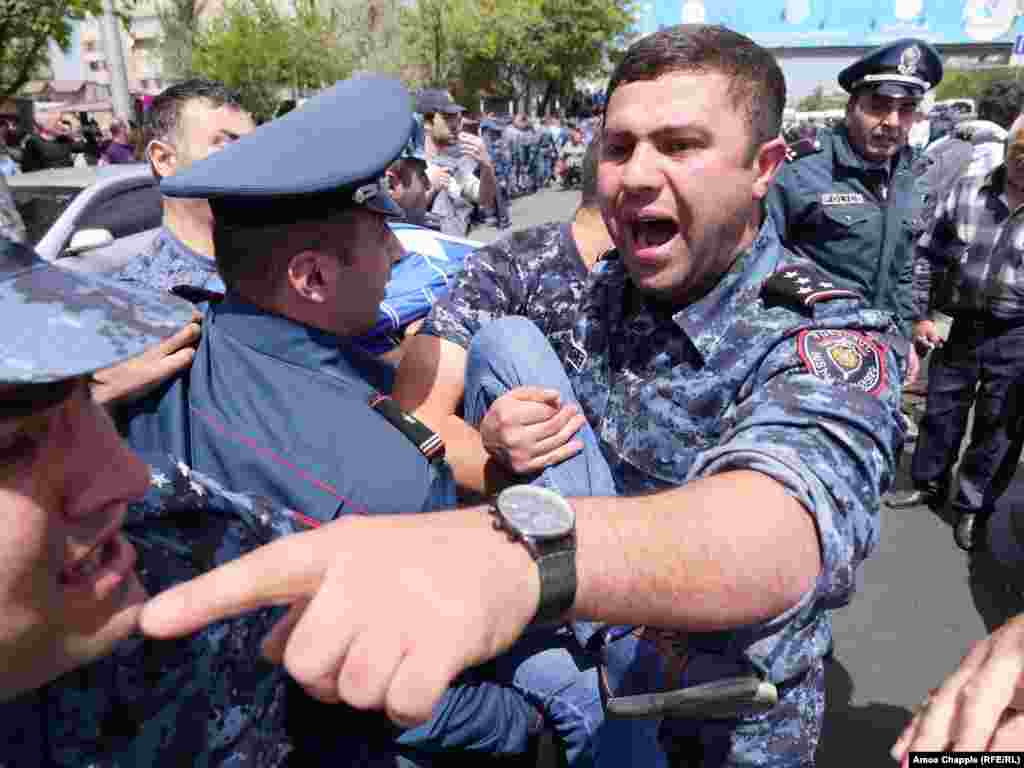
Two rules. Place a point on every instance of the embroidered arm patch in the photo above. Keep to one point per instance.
(843, 357)
(802, 287)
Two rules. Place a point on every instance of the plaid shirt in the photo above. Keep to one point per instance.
(972, 257)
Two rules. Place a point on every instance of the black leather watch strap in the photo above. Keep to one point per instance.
(557, 584)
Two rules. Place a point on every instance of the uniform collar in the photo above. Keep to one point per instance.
(708, 320)
(300, 345)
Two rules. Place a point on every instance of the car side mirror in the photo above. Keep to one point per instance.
(88, 240)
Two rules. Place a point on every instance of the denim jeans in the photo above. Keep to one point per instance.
(551, 666)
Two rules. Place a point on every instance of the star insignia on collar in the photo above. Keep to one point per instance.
(803, 280)
(158, 479)
(791, 274)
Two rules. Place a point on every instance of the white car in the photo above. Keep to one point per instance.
(95, 219)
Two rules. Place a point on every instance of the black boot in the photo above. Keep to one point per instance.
(932, 495)
(969, 533)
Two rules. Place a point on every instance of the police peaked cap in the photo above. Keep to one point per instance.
(903, 69)
(327, 156)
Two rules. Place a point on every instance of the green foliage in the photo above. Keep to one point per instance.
(258, 50)
(26, 27)
(817, 101)
(510, 46)
(179, 24)
(969, 84)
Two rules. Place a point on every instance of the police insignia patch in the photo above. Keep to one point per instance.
(843, 357)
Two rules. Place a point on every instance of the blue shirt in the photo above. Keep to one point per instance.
(167, 263)
(425, 274)
(280, 409)
(806, 395)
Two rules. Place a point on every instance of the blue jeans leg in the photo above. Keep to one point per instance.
(512, 352)
(552, 668)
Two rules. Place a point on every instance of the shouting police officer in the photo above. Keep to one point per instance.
(848, 199)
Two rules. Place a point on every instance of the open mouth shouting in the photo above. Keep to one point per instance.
(650, 235)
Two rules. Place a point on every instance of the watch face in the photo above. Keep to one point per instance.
(536, 512)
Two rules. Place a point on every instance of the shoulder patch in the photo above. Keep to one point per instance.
(802, 148)
(801, 287)
(843, 357)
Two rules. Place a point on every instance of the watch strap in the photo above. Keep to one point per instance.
(557, 583)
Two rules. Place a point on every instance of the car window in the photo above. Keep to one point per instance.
(126, 212)
(40, 207)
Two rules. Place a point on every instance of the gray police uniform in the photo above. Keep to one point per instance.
(777, 371)
(857, 220)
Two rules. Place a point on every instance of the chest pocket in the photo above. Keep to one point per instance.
(843, 218)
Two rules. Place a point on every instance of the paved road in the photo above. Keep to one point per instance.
(920, 605)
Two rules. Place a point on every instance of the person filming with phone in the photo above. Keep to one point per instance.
(459, 166)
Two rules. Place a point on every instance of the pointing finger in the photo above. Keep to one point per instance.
(276, 574)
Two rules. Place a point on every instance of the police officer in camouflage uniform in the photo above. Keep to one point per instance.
(184, 124)
(744, 405)
(849, 200)
(78, 689)
(501, 156)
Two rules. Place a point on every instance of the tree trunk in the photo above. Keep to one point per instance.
(549, 94)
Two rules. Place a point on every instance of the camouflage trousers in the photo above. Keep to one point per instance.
(784, 737)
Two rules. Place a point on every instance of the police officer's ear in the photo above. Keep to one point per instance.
(314, 275)
(767, 161)
(162, 157)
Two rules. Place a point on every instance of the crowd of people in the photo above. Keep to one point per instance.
(463, 168)
(209, 461)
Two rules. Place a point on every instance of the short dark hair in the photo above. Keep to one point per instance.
(1001, 101)
(591, 159)
(163, 117)
(757, 84)
(253, 261)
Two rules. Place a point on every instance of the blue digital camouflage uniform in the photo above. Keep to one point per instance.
(168, 263)
(857, 222)
(537, 273)
(753, 376)
(203, 700)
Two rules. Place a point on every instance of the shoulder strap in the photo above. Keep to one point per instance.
(427, 442)
(800, 287)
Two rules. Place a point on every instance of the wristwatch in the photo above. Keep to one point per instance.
(545, 523)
